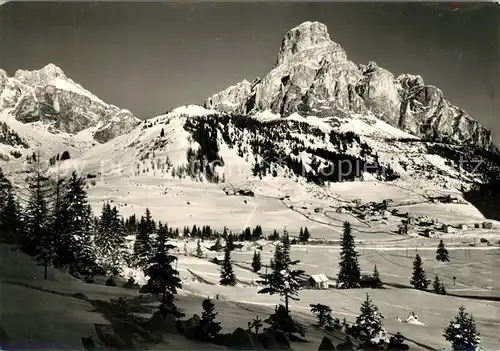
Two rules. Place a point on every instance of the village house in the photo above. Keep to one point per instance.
(487, 225)
(448, 228)
(429, 233)
(463, 226)
(318, 281)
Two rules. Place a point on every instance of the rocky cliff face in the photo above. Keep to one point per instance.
(313, 76)
(47, 95)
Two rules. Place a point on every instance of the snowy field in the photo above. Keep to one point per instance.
(33, 317)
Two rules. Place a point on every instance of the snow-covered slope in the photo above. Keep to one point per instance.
(201, 145)
(313, 76)
(45, 102)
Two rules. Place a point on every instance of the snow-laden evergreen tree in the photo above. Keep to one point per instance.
(442, 253)
(63, 237)
(229, 241)
(438, 287)
(143, 240)
(349, 275)
(85, 259)
(256, 262)
(78, 225)
(282, 280)
(10, 220)
(163, 277)
(109, 241)
(208, 324)
(419, 279)
(5, 187)
(462, 333)
(199, 251)
(376, 278)
(369, 324)
(38, 239)
(217, 245)
(227, 276)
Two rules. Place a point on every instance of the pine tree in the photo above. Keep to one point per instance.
(63, 238)
(38, 240)
(462, 333)
(85, 260)
(227, 276)
(282, 280)
(143, 241)
(438, 287)
(307, 235)
(285, 250)
(376, 278)
(349, 275)
(304, 235)
(78, 225)
(324, 314)
(217, 245)
(163, 277)
(442, 252)
(256, 262)
(109, 240)
(199, 251)
(229, 242)
(369, 323)
(10, 221)
(208, 324)
(419, 280)
(255, 325)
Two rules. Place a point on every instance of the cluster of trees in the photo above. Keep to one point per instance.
(51, 221)
(63, 156)
(419, 277)
(368, 328)
(9, 137)
(335, 166)
(204, 131)
(206, 232)
(350, 277)
(469, 158)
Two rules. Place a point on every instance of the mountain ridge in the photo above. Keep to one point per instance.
(48, 96)
(313, 76)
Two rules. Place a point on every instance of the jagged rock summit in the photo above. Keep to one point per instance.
(48, 96)
(313, 77)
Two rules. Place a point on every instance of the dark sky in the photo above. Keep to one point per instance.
(151, 57)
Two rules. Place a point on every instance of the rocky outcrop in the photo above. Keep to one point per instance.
(48, 96)
(313, 76)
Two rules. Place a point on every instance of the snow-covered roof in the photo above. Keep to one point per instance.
(319, 278)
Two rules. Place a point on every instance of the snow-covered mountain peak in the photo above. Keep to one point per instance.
(41, 76)
(46, 99)
(52, 77)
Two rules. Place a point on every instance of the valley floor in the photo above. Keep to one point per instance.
(44, 314)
